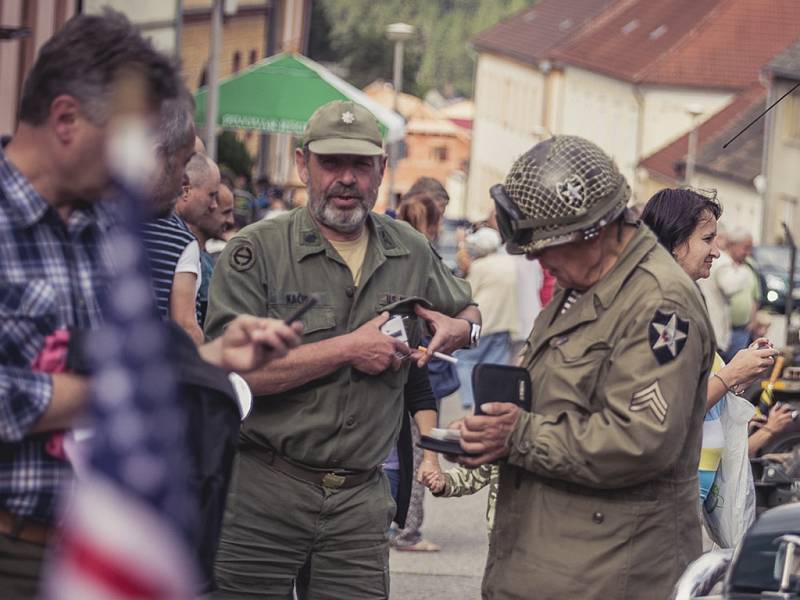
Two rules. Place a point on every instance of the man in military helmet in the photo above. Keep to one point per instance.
(307, 485)
(598, 486)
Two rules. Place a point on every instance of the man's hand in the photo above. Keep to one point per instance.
(372, 351)
(449, 334)
(250, 342)
(487, 438)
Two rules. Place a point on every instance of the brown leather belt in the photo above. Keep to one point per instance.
(332, 480)
(24, 529)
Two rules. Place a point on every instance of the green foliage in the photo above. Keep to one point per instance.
(232, 153)
(352, 34)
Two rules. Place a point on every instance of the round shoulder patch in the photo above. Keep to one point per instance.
(243, 256)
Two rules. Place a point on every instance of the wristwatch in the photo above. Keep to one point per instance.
(474, 333)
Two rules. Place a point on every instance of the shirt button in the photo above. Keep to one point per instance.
(598, 517)
(525, 446)
(350, 291)
(350, 421)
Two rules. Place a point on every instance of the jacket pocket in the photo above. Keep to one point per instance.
(573, 370)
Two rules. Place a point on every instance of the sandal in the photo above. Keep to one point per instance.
(420, 546)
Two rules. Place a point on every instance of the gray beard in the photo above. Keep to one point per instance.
(341, 221)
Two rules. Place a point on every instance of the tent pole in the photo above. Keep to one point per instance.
(213, 78)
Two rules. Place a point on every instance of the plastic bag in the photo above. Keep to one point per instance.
(730, 507)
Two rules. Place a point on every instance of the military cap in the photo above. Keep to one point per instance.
(343, 127)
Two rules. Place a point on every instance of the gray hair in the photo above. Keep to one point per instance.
(199, 169)
(176, 124)
(737, 235)
(84, 59)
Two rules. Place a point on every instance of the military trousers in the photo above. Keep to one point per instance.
(275, 524)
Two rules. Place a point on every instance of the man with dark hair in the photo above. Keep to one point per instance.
(53, 265)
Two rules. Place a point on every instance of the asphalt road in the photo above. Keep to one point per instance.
(458, 525)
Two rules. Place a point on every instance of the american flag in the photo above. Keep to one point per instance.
(126, 529)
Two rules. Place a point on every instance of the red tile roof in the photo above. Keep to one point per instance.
(705, 43)
(698, 43)
(531, 33)
(740, 161)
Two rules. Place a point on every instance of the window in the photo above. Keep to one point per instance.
(253, 56)
(439, 153)
(237, 61)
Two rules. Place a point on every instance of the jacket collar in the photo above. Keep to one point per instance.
(308, 239)
(602, 293)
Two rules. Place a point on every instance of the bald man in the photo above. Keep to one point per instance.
(211, 226)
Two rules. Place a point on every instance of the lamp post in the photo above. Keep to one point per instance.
(694, 110)
(399, 33)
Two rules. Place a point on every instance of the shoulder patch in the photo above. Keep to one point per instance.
(668, 334)
(243, 256)
(650, 398)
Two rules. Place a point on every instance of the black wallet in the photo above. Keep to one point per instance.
(501, 383)
(443, 446)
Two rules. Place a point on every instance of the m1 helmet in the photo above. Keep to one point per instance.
(562, 190)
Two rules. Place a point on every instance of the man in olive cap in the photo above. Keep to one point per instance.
(598, 494)
(307, 487)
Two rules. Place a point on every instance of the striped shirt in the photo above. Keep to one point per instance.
(52, 277)
(164, 241)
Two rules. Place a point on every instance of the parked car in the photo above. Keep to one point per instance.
(766, 564)
(773, 270)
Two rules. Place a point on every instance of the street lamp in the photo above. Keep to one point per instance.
(399, 33)
(694, 110)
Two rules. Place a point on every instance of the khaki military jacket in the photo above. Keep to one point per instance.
(347, 419)
(599, 496)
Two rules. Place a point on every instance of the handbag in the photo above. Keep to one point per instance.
(730, 507)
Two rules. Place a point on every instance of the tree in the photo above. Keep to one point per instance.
(232, 153)
(352, 34)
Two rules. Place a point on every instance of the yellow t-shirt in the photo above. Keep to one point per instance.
(353, 253)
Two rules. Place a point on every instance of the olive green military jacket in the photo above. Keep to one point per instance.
(347, 419)
(599, 496)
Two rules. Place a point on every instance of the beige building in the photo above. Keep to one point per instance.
(735, 172)
(42, 18)
(782, 157)
(437, 145)
(629, 75)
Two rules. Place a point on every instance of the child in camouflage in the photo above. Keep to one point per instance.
(461, 481)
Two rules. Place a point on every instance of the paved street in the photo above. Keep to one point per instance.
(459, 526)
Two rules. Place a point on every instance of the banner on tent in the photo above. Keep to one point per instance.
(234, 121)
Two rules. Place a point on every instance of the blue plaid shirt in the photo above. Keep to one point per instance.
(51, 277)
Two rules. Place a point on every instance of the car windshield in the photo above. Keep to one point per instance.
(760, 565)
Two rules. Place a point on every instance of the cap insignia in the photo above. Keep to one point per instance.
(348, 118)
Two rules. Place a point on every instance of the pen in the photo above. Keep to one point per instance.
(439, 355)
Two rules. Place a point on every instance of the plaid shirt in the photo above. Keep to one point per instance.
(51, 277)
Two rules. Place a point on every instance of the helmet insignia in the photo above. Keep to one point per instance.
(572, 191)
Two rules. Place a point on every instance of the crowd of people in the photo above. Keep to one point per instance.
(595, 492)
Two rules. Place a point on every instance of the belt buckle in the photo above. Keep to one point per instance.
(333, 481)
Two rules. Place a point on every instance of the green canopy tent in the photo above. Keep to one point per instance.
(279, 94)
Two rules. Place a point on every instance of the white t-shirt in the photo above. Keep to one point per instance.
(189, 262)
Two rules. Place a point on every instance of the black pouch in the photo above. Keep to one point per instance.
(501, 383)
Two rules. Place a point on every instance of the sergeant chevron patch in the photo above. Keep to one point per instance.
(652, 399)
